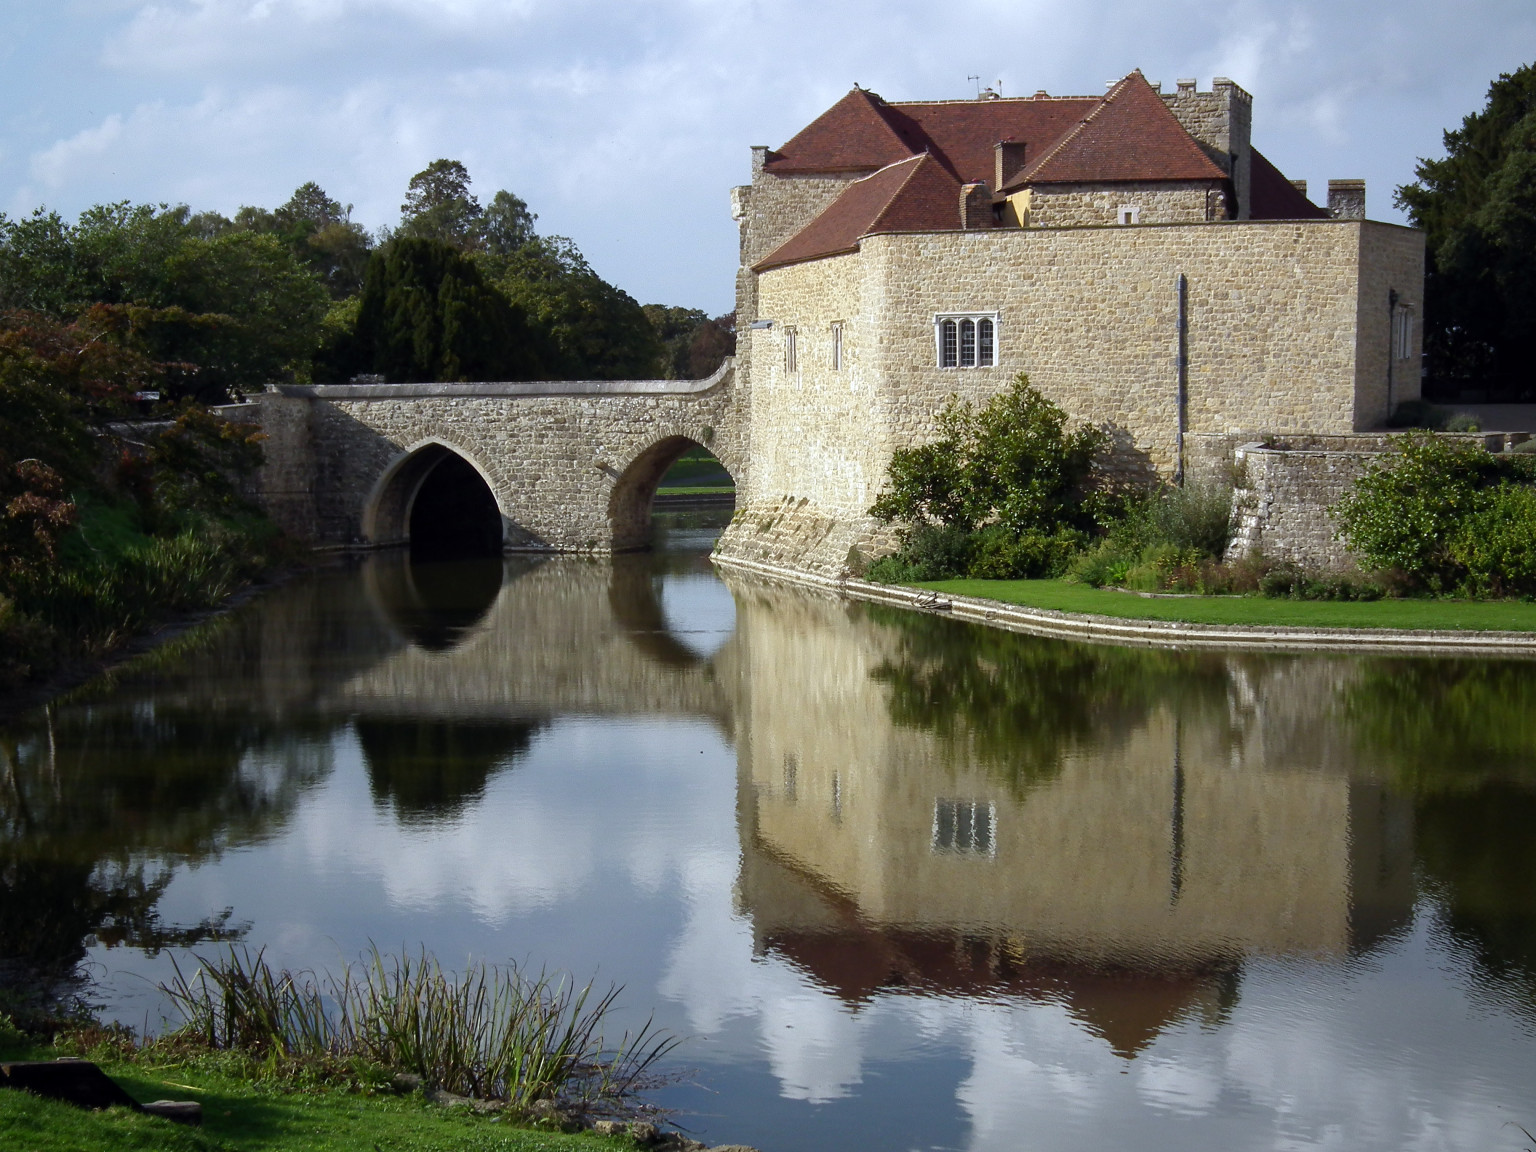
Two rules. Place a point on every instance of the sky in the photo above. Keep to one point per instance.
(625, 124)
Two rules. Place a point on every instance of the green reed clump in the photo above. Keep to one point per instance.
(494, 1032)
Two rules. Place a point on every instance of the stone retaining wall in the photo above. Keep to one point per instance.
(1284, 489)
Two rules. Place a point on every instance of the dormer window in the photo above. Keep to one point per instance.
(1129, 214)
(966, 341)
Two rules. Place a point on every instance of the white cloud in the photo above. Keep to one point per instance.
(624, 124)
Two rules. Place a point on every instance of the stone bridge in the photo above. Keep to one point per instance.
(566, 465)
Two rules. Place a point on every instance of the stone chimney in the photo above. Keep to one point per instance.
(1300, 186)
(1346, 199)
(1008, 158)
(1222, 121)
(975, 207)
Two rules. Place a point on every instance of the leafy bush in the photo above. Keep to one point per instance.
(1001, 493)
(1446, 514)
(1497, 544)
(1168, 539)
(1290, 582)
(998, 554)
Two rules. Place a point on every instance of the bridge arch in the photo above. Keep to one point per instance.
(421, 472)
(629, 503)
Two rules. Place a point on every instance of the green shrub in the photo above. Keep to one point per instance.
(1195, 517)
(1106, 564)
(1292, 582)
(1463, 422)
(1000, 495)
(1496, 545)
(1429, 511)
(998, 554)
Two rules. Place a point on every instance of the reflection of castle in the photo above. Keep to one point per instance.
(1131, 885)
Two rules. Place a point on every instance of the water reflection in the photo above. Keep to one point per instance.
(912, 883)
(434, 604)
(1046, 816)
(432, 768)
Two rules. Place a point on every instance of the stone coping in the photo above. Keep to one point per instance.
(510, 388)
(1155, 633)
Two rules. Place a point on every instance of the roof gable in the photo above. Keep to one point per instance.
(965, 132)
(1131, 135)
(913, 195)
(1272, 197)
(852, 134)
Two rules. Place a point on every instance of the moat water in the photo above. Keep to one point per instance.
(901, 883)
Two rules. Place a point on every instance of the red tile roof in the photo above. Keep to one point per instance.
(919, 154)
(1272, 197)
(912, 195)
(1131, 135)
(853, 134)
(963, 132)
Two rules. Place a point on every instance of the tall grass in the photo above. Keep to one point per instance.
(90, 602)
(493, 1033)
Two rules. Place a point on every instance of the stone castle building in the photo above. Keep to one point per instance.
(1132, 252)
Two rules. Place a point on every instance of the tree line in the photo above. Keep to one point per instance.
(1477, 207)
(217, 306)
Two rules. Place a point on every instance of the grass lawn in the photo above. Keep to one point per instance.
(239, 1116)
(725, 489)
(1443, 615)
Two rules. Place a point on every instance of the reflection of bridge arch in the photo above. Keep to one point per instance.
(633, 595)
(435, 606)
(387, 511)
(629, 504)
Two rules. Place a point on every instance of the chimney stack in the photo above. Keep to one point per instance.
(975, 207)
(1008, 157)
(1346, 199)
(1300, 186)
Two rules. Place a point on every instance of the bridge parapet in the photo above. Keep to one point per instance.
(572, 464)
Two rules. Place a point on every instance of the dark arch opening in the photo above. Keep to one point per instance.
(453, 514)
(678, 479)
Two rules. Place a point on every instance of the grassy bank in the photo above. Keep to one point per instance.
(395, 1052)
(1433, 614)
(244, 1116)
(113, 579)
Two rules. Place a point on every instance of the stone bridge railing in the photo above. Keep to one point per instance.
(572, 464)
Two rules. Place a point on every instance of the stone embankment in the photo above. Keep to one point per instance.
(1156, 633)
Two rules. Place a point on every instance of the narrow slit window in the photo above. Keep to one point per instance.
(790, 360)
(948, 344)
(1402, 332)
(837, 347)
(986, 353)
(967, 343)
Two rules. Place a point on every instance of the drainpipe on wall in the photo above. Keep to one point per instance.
(1181, 361)
(1391, 351)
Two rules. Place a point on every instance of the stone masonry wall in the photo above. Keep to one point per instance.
(1074, 205)
(1282, 500)
(1222, 121)
(1391, 260)
(571, 469)
(1283, 492)
(1090, 314)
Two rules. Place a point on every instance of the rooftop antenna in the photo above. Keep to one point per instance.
(977, 81)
